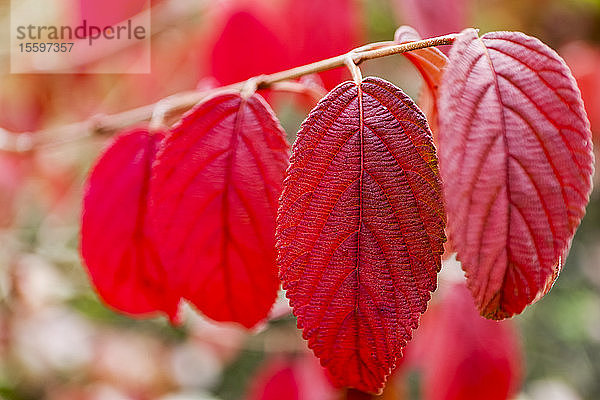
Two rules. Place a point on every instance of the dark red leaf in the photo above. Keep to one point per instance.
(464, 356)
(214, 197)
(116, 244)
(430, 62)
(360, 229)
(516, 161)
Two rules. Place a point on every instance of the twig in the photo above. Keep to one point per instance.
(108, 124)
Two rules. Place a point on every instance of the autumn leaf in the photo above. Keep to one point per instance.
(300, 378)
(216, 182)
(360, 229)
(269, 39)
(516, 161)
(339, 24)
(434, 17)
(250, 35)
(430, 62)
(463, 356)
(583, 59)
(117, 245)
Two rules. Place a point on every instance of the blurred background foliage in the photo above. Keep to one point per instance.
(58, 340)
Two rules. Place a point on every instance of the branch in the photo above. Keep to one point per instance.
(108, 124)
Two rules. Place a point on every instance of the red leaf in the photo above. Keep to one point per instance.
(339, 27)
(583, 59)
(213, 202)
(116, 245)
(277, 381)
(434, 17)
(248, 38)
(466, 357)
(360, 229)
(516, 159)
(430, 62)
(281, 36)
(301, 378)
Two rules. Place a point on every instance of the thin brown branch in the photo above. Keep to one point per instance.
(107, 124)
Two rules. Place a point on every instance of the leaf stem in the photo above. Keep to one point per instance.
(108, 124)
(353, 68)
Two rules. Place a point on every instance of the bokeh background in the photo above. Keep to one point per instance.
(59, 341)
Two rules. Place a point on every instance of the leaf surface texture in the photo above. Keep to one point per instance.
(361, 229)
(216, 183)
(117, 245)
(516, 160)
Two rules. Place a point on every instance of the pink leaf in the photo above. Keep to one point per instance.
(516, 161)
